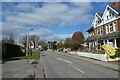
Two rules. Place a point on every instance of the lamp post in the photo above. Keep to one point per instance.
(28, 42)
(97, 38)
(18, 36)
(35, 41)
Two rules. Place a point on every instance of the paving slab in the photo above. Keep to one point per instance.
(18, 69)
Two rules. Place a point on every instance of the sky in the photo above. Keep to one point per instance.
(51, 21)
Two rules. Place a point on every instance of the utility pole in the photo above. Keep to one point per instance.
(35, 41)
(28, 42)
(18, 36)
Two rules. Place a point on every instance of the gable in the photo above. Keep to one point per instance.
(109, 13)
(106, 11)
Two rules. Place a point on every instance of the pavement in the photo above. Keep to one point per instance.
(23, 68)
(59, 65)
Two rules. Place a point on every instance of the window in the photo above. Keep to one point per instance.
(99, 21)
(96, 22)
(112, 14)
(115, 26)
(111, 27)
(98, 31)
(105, 41)
(107, 29)
(101, 30)
(107, 17)
(111, 42)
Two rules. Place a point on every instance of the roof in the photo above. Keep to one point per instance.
(91, 28)
(117, 8)
(104, 37)
(100, 14)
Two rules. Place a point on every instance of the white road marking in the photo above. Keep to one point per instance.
(64, 60)
(77, 69)
(47, 53)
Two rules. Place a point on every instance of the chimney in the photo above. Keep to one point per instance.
(116, 3)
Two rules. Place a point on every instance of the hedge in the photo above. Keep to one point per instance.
(10, 50)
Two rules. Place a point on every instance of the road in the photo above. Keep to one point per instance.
(60, 66)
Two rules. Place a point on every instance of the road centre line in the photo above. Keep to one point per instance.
(76, 68)
(64, 60)
(47, 52)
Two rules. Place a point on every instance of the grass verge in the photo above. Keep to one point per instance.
(35, 55)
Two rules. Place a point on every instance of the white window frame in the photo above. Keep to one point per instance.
(107, 29)
(110, 28)
(101, 30)
(114, 26)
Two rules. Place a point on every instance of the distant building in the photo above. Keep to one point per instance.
(105, 28)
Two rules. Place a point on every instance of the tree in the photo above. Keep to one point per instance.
(67, 43)
(60, 44)
(77, 40)
(24, 41)
(35, 39)
(53, 45)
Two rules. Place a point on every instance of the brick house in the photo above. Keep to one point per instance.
(105, 28)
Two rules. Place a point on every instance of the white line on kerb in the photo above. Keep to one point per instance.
(64, 60)
(76, 69)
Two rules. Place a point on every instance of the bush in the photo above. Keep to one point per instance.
(117, 54)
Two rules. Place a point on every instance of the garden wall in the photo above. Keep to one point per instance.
(101, 57)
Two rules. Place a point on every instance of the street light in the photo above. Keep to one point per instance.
(18, 36)
(28, 42)
(35, 41)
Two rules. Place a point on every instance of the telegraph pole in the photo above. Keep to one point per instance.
(18, 36)
(28, 42)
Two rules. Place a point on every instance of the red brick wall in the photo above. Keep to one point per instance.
(104, 29)
(118, 42)
(118, 23)
(115, 3)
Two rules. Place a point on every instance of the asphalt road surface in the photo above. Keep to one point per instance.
(60, 66)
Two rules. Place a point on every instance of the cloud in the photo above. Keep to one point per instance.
(20, 15)
(25, 7)
(11, 27)
(57, 37)
(43, 32)
(52, 14)
(59, 0)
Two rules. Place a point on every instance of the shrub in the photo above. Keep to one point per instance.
(117, 54)
(111, 51)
